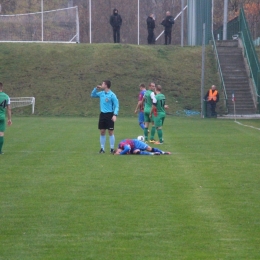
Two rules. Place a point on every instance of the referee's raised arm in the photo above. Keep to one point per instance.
(109, 108)
(94, 92)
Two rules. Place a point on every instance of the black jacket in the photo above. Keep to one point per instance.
(150, 23)
(168, 22)
(115, 19)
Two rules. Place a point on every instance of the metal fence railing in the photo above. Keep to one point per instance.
(250, 54)
(223, 87)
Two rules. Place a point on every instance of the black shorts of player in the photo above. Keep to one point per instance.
(105, 121)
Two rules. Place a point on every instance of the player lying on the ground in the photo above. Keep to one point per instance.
(134, 146)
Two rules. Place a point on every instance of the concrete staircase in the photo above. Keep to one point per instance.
(235, 78)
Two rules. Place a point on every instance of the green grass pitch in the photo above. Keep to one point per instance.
(60, 199)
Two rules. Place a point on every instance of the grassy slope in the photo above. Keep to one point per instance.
(61, 77)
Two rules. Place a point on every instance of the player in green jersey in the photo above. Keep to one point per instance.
(4, 103)
(158, 112)
(148, 100)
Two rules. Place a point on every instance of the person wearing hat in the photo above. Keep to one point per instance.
(150, 28)
(116, 22)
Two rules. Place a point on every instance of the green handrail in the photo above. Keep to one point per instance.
(250, 53)
(223, 87)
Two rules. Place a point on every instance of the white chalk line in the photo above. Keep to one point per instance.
(247, 125)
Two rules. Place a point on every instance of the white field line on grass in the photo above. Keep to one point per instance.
(247, 125)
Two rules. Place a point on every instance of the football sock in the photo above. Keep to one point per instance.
(156, 150)
(1, 143)
(102, 141)
(112, 141)
(146, 134)
(153, 133)
(145, 153)
(160, 135)
(142, 125)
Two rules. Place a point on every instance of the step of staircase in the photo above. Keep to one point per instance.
(241, 111)
(235, 77)
(227, 43)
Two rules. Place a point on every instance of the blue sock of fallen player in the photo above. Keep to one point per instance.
(145, 153)
(156, 150)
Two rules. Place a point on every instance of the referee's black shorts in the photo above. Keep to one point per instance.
(105, 121)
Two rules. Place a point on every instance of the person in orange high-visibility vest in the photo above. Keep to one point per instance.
(212, 97)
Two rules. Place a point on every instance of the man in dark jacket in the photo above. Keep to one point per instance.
(167, 23)
(150, 27)
(116, 22)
